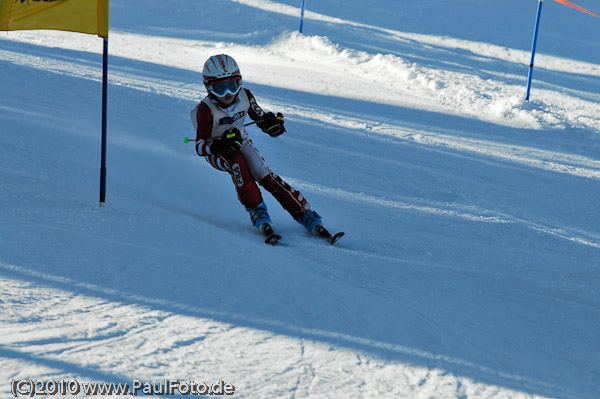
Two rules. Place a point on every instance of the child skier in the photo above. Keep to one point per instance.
(223, 142)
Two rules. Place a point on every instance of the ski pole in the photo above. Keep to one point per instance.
(279, 116)
(230, 135)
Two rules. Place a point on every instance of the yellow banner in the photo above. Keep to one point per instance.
(85, 16)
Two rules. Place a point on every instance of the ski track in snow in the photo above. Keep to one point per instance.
(99, 330)
(470, 213)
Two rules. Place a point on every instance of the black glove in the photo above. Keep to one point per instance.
(230, 141)
(271, 124)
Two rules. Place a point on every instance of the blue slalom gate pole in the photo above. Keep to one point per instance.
(535, 35)
(104, 108)
(301, 17)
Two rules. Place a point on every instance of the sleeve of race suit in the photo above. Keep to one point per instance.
(255, 112)
(202, 120)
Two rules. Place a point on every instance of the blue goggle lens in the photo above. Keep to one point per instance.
(232, 86)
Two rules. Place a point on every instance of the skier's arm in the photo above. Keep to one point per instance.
(255, 112)
(267, 122)
(202, 120)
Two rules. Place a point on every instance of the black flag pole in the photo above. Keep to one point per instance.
(104, 103)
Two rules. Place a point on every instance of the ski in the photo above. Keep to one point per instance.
(323, 233)
(270, 237)
(336, 237)
(273, 239)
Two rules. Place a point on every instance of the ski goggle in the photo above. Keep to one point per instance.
(222, 87)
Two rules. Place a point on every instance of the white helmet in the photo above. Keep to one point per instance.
(221, 75)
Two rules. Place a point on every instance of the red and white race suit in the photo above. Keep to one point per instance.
(245, 166)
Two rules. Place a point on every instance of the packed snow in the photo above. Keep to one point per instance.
(470, 266)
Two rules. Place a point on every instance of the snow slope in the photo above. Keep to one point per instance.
(470, 265)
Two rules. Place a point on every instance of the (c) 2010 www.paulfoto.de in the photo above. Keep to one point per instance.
(30, 387)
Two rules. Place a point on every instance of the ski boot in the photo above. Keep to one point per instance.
(312, 221)
(262, 221)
